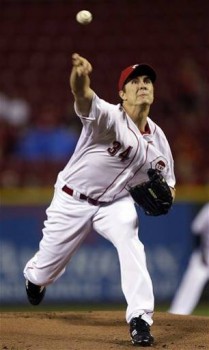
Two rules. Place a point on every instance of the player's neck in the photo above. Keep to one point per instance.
(141, 124)
(139, 116)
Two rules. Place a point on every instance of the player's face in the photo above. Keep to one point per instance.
(138, 91)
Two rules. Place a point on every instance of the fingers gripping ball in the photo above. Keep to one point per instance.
(154, 196)
(84, 17)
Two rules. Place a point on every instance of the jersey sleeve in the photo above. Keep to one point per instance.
(165, 149)
(170, 176)
(98, 114)
(160, 157)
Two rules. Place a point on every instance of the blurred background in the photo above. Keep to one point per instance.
(39, 129)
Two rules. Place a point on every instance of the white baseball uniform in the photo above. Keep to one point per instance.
(197, 273)
(91, 193)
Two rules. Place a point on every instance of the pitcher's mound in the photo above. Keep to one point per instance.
(97, 330)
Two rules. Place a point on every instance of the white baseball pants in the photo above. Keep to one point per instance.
(69, 220)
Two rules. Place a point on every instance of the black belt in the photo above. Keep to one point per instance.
(92, 201)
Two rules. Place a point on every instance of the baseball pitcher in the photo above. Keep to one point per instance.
(122, 158)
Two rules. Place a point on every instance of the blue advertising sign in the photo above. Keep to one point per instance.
(94, 272)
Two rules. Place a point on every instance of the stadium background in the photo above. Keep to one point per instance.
(36, 42)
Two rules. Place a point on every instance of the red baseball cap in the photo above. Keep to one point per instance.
(134, 71)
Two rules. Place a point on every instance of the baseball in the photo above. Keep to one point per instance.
(84, 17)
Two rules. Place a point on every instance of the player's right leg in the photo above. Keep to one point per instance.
(117, 222)
(68, 222)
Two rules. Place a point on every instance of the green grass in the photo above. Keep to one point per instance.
(62, 307)
(201, 310)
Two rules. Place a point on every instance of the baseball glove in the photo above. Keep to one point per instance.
(154, 196)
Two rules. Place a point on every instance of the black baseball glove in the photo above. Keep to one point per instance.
(154, 196)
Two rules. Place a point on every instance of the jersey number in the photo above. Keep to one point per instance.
(116, 146)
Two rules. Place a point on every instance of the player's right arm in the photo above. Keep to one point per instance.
(80, 83)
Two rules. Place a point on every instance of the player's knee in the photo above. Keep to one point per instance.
(127, 233)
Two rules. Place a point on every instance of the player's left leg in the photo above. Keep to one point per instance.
(68, 222)
(118, 222)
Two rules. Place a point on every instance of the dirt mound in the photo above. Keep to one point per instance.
(97, 330)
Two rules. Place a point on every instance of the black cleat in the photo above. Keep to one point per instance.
(140, 332)
(35, 293)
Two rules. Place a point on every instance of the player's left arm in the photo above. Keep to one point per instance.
(170, 176)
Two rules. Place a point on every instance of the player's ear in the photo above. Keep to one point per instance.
(122, 95)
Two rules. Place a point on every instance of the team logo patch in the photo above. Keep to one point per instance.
(160, 164)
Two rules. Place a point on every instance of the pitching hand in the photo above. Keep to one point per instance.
(81, 64)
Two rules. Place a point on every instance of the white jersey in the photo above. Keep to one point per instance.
(111, 154)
